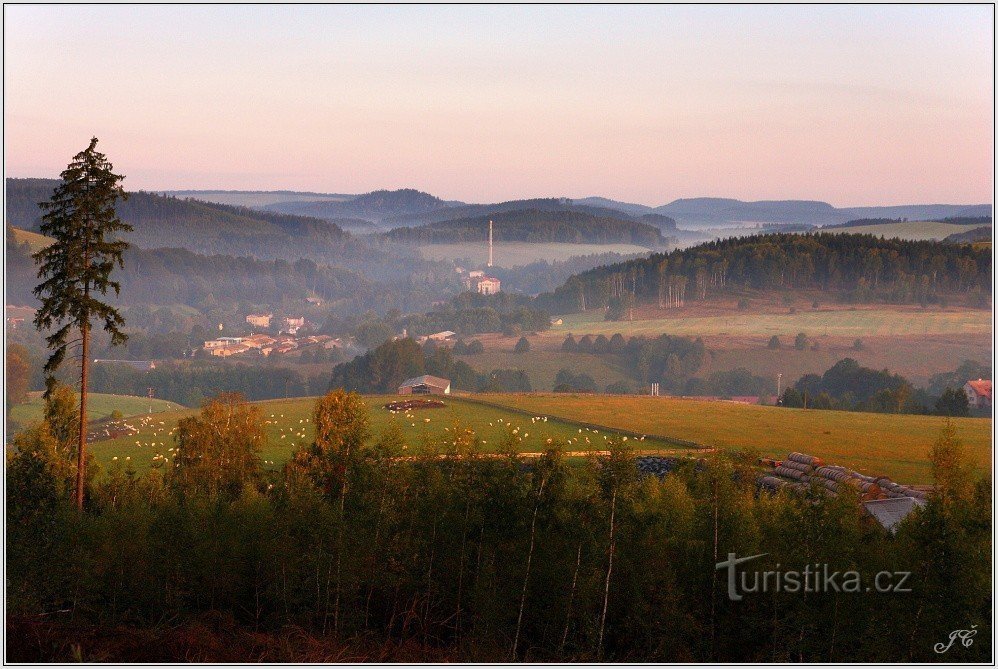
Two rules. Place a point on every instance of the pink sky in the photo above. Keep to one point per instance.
(852, 105)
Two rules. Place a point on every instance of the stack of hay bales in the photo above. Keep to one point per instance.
(800, 471)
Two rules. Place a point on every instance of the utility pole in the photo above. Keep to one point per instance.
(149, 392)
(779, 385)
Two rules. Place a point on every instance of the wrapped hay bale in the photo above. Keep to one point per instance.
(799, 466)
(805, 459)
(789, 473)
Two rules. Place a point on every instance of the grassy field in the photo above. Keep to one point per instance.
(515, 254)
(32, 239)
(935, 354)
(914, 230)
(830, 322)
(543, 366)
(99, 405)
(895, 445)
(290, 426)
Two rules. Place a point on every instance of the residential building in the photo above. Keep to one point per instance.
(489, 285)
(979, 393)
(259, 320)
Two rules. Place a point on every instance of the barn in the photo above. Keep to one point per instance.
(425, 385)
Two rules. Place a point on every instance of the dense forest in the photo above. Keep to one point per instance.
(859, 268)
(359, 548)
(533, 225)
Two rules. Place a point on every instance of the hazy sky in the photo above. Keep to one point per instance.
(852, 105)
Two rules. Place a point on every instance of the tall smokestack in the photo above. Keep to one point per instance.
(490, 243)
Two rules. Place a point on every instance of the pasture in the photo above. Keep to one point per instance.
(858, 322)
(895, 445)
(99, 406)
(516, 254)
(289, 426)
(913, 230)
(542, 366)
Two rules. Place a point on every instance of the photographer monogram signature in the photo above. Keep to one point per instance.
(966, 637)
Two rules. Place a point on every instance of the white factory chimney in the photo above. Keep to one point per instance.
(490, 243)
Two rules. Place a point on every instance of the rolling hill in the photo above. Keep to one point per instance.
(725, 211)
(533, 225)
(255, 199)
(203, 227)
(375, 206)
(914, 230)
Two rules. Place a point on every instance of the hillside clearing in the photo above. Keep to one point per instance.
(913, 230)
(34, 240)
(895, 445)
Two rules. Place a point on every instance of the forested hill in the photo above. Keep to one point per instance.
(533, 225)
(374, 206)
(209, 228)
(204, 227)
(168, 276)
(848, 266)
(467, 211)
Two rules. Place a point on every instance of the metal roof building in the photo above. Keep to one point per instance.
(425, 385)
(890, 512)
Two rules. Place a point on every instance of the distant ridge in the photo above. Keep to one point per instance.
(375, 206)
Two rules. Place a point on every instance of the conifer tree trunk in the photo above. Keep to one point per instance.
(81, 462)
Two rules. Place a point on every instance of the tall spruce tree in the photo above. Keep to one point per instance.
(76, 270)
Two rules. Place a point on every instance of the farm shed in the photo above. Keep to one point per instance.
(425, 385)
(890, 512)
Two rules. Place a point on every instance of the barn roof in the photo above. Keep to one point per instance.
(426, 379)
(890, 512)
(981, 387)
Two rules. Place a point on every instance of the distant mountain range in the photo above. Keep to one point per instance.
(410, 207)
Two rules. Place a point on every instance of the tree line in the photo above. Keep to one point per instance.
(383, 369)
(848, 386)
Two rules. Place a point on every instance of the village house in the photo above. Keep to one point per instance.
(446, 335)
(221, 341)
(230, 349)
(291, 324)
(259, 320)
(978, 393)
(488, 285)
(258, 341)
(425, 385)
